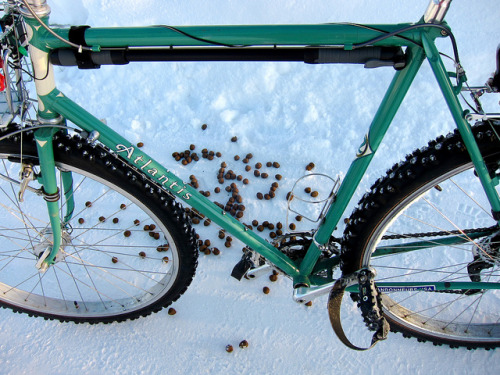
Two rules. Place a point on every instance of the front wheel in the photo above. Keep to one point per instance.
(127, 248)
(429, 221)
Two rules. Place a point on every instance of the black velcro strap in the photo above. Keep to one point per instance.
(76, 35)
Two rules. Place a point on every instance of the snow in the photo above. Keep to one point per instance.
(289, 112)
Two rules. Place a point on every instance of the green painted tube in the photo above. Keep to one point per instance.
(237, 35)
(47, 167)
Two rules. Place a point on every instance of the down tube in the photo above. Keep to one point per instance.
(58, 102)
(383, 118)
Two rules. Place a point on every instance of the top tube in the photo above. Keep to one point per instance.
(343, 34)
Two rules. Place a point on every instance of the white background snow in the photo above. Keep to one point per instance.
(289, 112)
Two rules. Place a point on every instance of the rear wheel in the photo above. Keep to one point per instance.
(127, 249)
(429, 220)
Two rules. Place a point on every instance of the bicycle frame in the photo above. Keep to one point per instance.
(55, 107)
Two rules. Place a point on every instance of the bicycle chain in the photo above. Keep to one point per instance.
(437, 234)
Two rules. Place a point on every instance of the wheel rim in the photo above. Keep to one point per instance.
(448, 317)
(103, 271)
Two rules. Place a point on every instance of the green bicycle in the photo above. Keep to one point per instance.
(63, 258)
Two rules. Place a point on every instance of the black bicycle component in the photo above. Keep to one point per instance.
(370, 57)
(241, 268)
(495, 80)
(370, 304)
(83, 59)
(368, 301)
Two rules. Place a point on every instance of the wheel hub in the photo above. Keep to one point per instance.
(45, 241)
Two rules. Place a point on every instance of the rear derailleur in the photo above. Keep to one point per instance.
(486, 255)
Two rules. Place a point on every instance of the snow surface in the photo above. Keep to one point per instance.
(277, 111)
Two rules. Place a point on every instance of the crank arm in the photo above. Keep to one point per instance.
(304, 294)
(258, 271)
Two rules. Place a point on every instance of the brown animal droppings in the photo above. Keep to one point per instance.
(266, 290)
(234, 139)
(171, 311)
(244, 344)
(229, 348)
(162, 248)
(140, 144)
(127, 233)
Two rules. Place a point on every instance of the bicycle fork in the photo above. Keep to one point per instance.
(51, 194)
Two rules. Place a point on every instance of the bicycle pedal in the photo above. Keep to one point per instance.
(241, 268)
